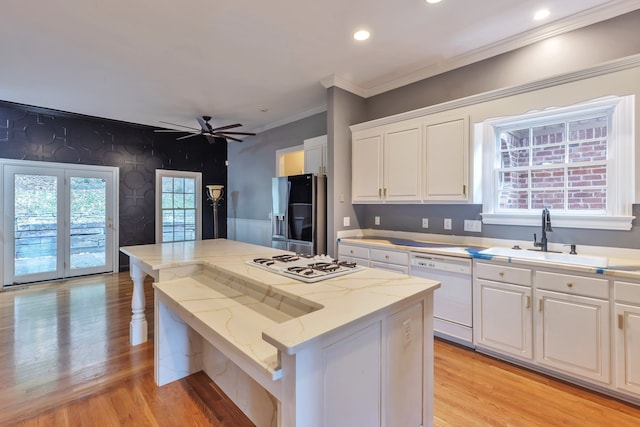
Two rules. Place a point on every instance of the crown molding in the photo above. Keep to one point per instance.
(561, 26)
(302, 115)
(595, 71)
(337, 81)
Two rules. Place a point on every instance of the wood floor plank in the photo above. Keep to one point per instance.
(65, 360)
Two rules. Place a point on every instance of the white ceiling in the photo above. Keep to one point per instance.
(147, 61)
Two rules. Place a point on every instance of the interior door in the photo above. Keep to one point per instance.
(58, 222)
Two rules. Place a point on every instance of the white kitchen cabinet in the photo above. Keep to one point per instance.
(366, 166)
(386, 165)
(402, 161)
(353, 253)
(627, 336)
(502, 310)
(390, 260)
(315, 155)
(572, 324)
(447, 160)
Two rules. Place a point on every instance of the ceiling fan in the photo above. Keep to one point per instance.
(219, 134)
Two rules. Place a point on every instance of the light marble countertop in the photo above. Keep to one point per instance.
(622, 263)
(216, 296)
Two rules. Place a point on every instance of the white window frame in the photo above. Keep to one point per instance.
(620, 168)
(163, 173)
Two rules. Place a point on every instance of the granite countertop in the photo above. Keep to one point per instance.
(334, 302)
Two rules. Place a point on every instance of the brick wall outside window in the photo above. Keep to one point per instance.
(560, 165)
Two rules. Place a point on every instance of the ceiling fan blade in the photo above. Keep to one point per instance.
(236, 133)
(169, 130)
(226, 127)
(232, 138)
(182, 126)
(188, 136)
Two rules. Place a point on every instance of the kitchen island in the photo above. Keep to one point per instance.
(350, 350)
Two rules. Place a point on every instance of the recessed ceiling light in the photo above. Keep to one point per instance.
(433, 1)
(361, 35)
(541, 14)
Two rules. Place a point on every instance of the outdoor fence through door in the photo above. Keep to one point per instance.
(58, 221)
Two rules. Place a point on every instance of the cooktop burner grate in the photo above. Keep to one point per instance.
(306, 269)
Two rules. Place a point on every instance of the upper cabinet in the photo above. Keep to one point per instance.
(411, 161)
(386, 163)
(447, 160)
(315, 155)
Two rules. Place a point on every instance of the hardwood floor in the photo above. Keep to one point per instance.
(65, 360)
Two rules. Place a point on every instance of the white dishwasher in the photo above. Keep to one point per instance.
(452, 302)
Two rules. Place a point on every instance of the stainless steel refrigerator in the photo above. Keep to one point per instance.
(299, 216)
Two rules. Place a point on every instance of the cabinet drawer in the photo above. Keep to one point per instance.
(392, 257)
(576, 285)
(353, 251)
(626, 292)
(502, 273)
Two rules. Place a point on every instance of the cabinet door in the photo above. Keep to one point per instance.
(447, 164)
(627, 347)
(503, 318)
(572, 334)
(352, 368)
(315, 155)
(402, 162)
(366, 167)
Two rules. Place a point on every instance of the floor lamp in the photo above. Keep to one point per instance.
(214, 193)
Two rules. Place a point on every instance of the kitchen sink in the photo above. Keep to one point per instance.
(562, 258)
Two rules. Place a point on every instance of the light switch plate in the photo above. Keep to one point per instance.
(447, 223)
(425, 222)
(376, 220)
(346, 221)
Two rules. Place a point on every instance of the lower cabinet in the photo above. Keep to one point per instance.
(572, 335)
(385, 259)
(352, 253)
(376, 376)
(396, 261)
(504, 318)
(627, 336)
(579, 326)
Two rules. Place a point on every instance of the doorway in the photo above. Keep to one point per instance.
(60, 221)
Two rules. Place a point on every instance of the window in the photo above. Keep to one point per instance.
(178, 206)
(577, 161)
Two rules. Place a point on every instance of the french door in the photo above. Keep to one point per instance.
(59, 221)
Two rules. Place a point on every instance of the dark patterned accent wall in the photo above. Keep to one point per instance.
(39, 134)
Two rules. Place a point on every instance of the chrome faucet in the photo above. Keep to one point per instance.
(546, 228)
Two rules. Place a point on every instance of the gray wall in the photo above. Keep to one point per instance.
(343, 110)
(579, 49)
(605, 41)
(252, 164)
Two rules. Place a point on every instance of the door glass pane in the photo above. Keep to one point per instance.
(36, 218)
(88, 222)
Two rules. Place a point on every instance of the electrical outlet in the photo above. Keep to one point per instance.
(346, 221)
(425, 222)
(447, 223)
(406, 331)
(471, 225)
(376, 220)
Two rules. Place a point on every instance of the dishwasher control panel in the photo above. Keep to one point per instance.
(432, 262)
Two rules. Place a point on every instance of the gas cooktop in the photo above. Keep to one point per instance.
(306, 269)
